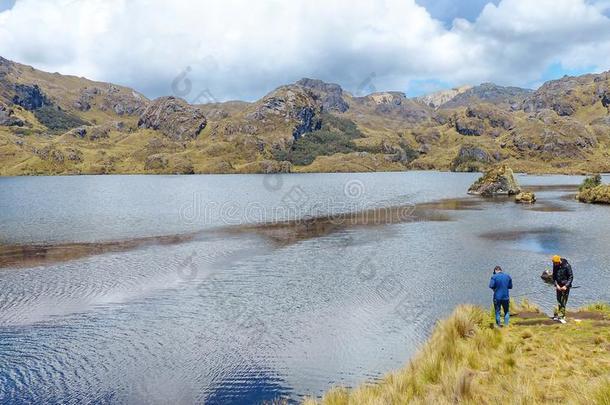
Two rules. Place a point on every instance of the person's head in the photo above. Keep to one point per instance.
(556, 260)
(497, 269)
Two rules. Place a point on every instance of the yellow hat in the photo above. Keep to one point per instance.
(556, 259)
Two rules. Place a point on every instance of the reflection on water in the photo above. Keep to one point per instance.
(99, 305)
(549, 240)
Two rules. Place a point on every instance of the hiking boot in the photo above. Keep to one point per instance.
(563, 320)
(555, 318)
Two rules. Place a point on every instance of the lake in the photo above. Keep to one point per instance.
(158, 289)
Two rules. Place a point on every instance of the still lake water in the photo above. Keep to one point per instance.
(223, 313)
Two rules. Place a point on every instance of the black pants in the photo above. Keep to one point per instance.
(562, 301)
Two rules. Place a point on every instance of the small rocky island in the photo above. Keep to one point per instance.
(498, 180)
(501, 181)
(593, 191)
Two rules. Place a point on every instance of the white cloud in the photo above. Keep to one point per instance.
(243, 49)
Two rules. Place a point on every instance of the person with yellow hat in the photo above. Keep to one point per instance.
(562, 278)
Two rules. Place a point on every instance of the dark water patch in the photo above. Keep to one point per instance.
(456, 204)
(35, 255)
(282, 232)
(547, 240)
(289, 232)
(250, 387)
(517, 234)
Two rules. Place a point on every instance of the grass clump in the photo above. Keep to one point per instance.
(593, 191)
(591, 182)
(602, 307)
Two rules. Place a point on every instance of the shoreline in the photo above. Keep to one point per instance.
(530, 173)
(534, 360)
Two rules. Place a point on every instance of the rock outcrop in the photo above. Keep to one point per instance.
(525, 197)
(489, 93)
(438, 98)
(496, 181)
(30, 97)
(470, 158)
(7, 117)
(595, 195)
(393, 104)
(331, 94)
(174, 118)
(292, 104)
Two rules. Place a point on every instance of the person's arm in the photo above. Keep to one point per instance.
(492, 283)
(510, 283)
(555, 276)
(570, 275)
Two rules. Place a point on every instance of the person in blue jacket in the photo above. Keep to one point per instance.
(501, 282)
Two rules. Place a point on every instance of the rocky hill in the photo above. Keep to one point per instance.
(439, 98)
(56, 124)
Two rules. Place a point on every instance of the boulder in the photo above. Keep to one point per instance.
(496, 181)
(7, 118)
(174, 118)
(469, 126)
(547, 276)
(525, 197)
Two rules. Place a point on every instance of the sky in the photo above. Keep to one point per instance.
(242, 49)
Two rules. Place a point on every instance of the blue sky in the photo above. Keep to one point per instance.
(242, 49)
(448, 10)
(6, 4)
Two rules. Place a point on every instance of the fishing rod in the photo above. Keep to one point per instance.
(537, 291)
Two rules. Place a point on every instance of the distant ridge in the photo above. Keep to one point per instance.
(56, 124)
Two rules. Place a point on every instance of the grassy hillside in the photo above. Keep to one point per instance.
(533, 361)
(56, 124)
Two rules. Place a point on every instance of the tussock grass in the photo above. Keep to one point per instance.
(467, 361)
(602, 307)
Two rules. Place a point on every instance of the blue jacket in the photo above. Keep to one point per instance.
(501, 283)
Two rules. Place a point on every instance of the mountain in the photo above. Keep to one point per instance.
(56, 124)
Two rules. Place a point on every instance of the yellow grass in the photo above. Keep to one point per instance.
(530, 362)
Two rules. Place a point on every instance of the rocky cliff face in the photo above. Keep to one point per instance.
(173, 117)
(295, 105)
(330, 94)
(30, 97)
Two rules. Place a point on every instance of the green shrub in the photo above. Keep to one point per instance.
(335, 136)
(57, 120)
(591, 182)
